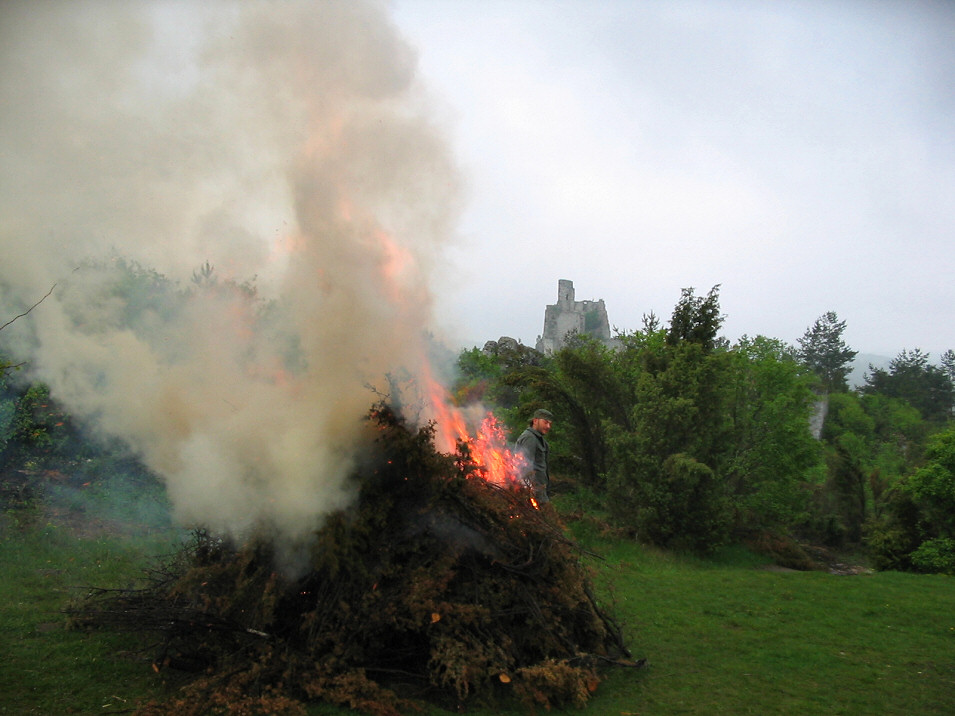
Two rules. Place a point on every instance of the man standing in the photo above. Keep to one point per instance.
(534, 447)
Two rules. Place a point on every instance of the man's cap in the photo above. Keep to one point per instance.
(545, 414)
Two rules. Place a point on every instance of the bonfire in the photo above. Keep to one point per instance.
(439, 585)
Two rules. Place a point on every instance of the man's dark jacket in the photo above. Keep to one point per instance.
(535, 448)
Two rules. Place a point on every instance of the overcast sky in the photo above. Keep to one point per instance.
(799, 154)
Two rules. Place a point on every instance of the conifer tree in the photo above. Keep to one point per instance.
(822, 350)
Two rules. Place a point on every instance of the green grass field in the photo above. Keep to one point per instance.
(724, 636)
(736, 638)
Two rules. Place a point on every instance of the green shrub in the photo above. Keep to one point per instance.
(935, 555)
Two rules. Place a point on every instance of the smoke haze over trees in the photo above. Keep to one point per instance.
(283, 151)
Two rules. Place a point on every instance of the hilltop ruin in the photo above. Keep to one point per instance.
(572, 317)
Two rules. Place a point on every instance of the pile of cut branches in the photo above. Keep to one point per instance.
(437, 585)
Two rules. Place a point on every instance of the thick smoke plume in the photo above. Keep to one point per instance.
(286, 147)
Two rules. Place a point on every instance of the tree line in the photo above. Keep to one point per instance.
(689, 442)
(676, 436)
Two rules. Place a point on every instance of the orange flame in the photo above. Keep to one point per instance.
(487, 447)
(484, 445)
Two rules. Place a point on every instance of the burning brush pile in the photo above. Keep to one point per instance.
(438, 585)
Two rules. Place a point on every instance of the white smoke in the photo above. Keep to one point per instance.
(287, 145)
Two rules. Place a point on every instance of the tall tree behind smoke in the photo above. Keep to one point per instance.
(282, 141)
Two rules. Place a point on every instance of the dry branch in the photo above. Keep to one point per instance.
(435, 585)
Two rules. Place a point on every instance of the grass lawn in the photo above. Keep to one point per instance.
(721, 636)
(736, 638)
(46, 668)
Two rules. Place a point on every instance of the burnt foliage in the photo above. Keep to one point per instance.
(436, 586)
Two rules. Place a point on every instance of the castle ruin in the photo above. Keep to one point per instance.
(571, 317)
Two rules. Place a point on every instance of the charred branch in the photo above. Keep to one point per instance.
(435, 583)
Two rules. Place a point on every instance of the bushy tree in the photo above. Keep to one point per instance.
(664, 478)
(594, 396)
(661, 480)
(899, 434)
(773, 453)
(918, 532)
(696, 319)
(871, 443)
(932, 487)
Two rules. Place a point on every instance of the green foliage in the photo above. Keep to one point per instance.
(8, 410)
(917, 530)
(849, 435)
(696, 319)
(742, 413)
(477, 370)
(910, 377)
(589, 394)
(932, 486)
(932, 489)
(664, 479)
(688, 439)
(32, 424)
(935, 555)
(119, 293)
(689, 509)
(898, 427)
(871, 442)
(577, 430)
(483, 375)
(773, 452)
(890, 541)
(38, 432)
(948, 364)
(823, 350)
(847, 414)
(475, 364)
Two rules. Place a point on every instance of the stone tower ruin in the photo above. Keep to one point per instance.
(569, 316)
